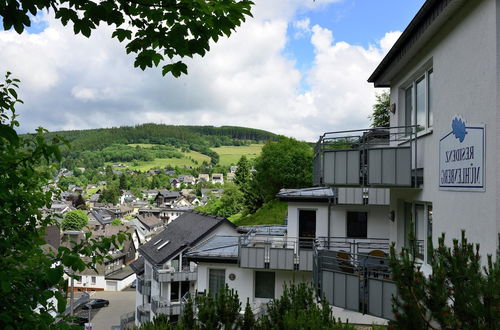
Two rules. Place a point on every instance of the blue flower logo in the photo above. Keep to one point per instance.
(458, 129)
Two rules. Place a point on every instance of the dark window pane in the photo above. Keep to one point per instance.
(216, 280)
(430, 118)
(264, 285)
(409, 115)
(307, 228)
(357, 224)
(174, 291)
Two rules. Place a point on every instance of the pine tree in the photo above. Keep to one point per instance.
(459, 294)
(242, 175)
(248, 322)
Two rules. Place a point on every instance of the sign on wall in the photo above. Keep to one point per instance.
(461, 157)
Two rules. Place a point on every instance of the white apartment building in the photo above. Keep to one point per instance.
(341, 226)
(440, 158)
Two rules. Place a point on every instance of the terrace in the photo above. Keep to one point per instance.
(375, 157)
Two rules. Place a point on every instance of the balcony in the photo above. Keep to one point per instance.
(143, 313)
(276, 252)
(378, 157)
(161, 305)
(354, 274)
(143, 286)
(175, 274)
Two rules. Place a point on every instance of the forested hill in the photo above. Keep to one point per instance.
(197, 138)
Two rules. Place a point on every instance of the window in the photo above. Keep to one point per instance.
(264, 285)
(93, 280)
(216, 280)
(418, 102)
(420, 216)
(357, 224)
(174, 291)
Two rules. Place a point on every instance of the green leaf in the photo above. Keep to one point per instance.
(9, 134)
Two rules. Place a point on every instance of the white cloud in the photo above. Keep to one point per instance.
(70, 82)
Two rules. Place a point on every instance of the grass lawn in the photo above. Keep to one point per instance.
(271, 213)
(186, 160)
(232, 154)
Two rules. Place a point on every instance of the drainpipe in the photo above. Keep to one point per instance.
(329, 216)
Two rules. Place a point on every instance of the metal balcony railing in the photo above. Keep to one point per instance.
(161, 305)
(143, 313)
(143, 286)
(175, 274)
(359, 282)
(276, 252)
(374, 157)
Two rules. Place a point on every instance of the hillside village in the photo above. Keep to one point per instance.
(432, 169)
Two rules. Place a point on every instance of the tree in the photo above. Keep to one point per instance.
(459, 294)
(30, 274)
(109, 195)
(74, 220)
(79, 203)
(157, 31)
(230, 203)
(248, 322)
(297, 308)
(285, 163)
(242, 174)
(380, 116)
(123, 182)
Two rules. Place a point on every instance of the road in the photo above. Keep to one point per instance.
(120, 302)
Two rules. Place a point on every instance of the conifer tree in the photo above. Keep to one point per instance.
(459, 294)
(248, 322)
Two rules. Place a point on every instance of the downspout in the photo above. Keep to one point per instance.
(329, 216)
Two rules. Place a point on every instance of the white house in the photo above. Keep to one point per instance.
(217, 178)
(322, 224)
(165, 276)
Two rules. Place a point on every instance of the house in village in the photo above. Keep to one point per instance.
(230, 176)
(187, 179)
(166, 276)
(114, 274)
(127, 197)
(166, 198)
(203, 177)
(149, 194)
(217, 178)
(148, 225)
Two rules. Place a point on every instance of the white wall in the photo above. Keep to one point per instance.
(378, 219)
(245, 277)
(463, 56)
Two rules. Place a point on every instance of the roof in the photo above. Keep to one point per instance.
(183, 232)
(169, 194)
(217, 247)
(317, 194)
(275, 230)
(103, 216)
(427, 21)
(138, 266)
(120, 274)
(149, 219)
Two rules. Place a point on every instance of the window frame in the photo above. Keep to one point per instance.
(426, 223)
(265, 280)
(347, 224)
(428, 105)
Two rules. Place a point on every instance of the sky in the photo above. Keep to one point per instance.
(297, 68)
